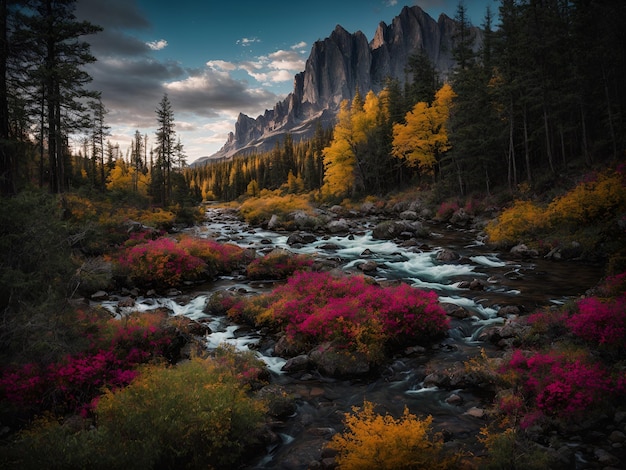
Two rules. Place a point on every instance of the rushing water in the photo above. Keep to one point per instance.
(322, 402)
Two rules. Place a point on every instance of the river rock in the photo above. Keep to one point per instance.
(522, 251)
(475, 412)
(460, 218)
(273, 223)
(446, 256)
(297, 364)
(280, 403)
(301, 238)
(368, 266)
(99, 296)
(456, 311)
(408, 215)
(454, 399)
(390, 229)
(334, 362)
(338, 226)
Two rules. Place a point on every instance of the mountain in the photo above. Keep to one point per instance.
(336, 67)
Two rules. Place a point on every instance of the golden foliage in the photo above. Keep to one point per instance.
(424, 137)
(383, 442)
(256, 210)
(522, 218)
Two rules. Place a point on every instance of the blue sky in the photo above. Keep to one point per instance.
(219, 58)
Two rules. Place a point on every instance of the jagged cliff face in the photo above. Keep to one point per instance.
(336, 67)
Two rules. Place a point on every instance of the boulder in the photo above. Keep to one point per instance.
(391, 229)
(338, 226)
(334, 362)
(446, 256)
(522, 251)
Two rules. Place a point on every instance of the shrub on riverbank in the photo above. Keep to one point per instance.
(581, 373)
(313, 308)
(194, 415)
(259, 210)
(371, 440)
(166, 262)
(596, 202)
(115, 348)
(278, 264)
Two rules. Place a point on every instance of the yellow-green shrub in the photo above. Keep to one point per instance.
(522, 218)
(372, 440)
(259, 209)
(195, 415)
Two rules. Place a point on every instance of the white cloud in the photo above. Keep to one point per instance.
(300, 45)
(391, 3)
(221, 65)
(157, 45)
(248, 41)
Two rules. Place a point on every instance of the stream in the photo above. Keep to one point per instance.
(322, 402)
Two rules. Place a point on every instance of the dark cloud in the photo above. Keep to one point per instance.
(209, 93)
(112, 14)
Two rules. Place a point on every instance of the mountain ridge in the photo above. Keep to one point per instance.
(336, 67)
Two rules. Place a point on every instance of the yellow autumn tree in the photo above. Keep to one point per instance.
(345, 157)
(372, 440)
(124, 177)
(422, 140)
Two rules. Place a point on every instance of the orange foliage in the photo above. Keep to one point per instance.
(383, 442)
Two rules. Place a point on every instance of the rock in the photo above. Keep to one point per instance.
(617, 436)
(273, 223)
(338, 226)
(509, 310)
(523, 252)
(456, 311)
(437, 379)
(99, 296)
(126, 302)
(335, 362)
(408, 215)
(329, 247)
(606, 458)
(281, 404)
(446, 255)
(454, 399)
(297, 364)
(368, 266)
(390, 229)
(460, 218)
(475, 412)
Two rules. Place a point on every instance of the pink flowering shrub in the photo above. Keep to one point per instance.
(600, 322)
(278, 265)
(446, 209)
(72, 384)
(317, 307)
(555, 384)
(219, 257)
(161, 261)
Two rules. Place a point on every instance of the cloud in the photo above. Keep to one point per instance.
(157, 45)
(247, 41)
(391, 3)
(212, 92)
(300, 45)
(222, 65)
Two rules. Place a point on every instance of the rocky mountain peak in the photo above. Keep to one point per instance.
(336, 67)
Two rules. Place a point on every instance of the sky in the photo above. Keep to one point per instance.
(216, 59)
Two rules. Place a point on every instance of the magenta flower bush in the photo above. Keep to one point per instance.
(162, 262)
(72, 384)
(600, 322)
(278, 265)
(558, 385)
(167, 262)
(313, 308)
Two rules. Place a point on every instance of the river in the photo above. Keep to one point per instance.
(323, 402)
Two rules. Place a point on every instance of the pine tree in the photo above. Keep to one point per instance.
(165, 142)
